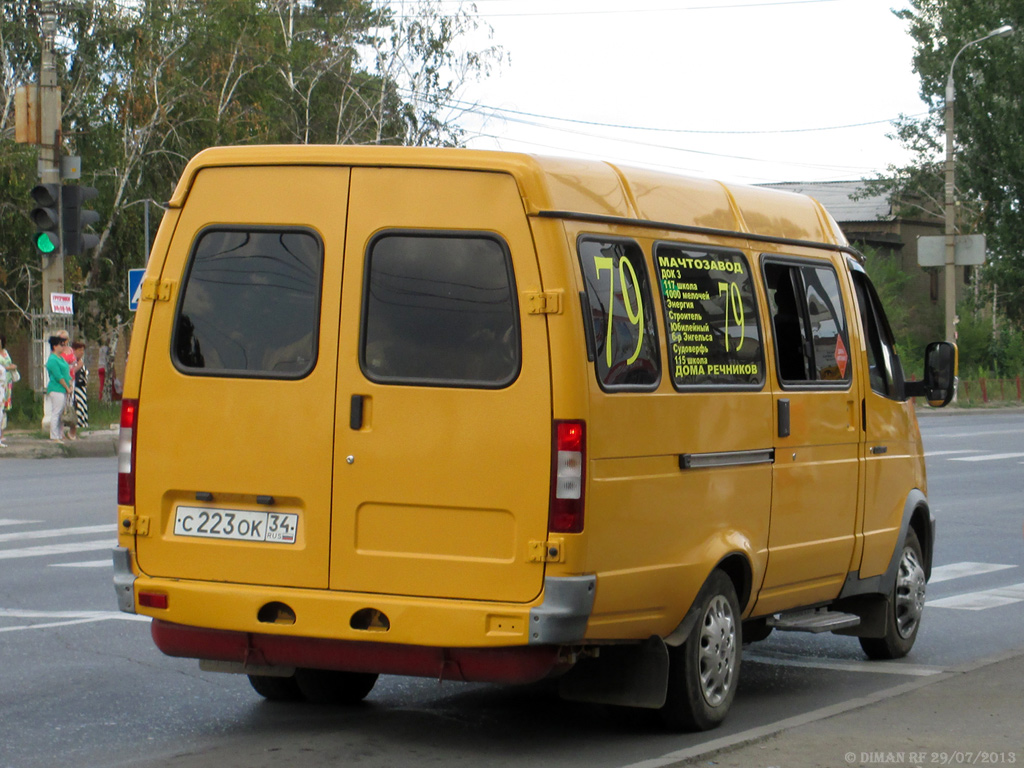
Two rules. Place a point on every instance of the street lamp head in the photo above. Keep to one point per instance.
(1002, 31)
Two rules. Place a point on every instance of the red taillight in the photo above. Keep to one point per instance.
(126, 453)
(153, 600)
(567, 477)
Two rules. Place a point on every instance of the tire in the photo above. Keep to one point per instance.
(704, 671)
(333, 688)
(906, 606)
(276, 688)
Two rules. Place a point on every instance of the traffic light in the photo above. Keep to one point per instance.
(46, 217)
(76, 240)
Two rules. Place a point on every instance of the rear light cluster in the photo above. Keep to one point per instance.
(567, 477)
(126, 453)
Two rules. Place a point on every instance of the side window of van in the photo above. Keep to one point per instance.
(710, 317)
(621, 316)
(250, 304)
(440, 310)
(884, 368)
(811, 338)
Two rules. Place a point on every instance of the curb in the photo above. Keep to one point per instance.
(99, 444)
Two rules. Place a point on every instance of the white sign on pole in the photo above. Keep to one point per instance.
(970, 250)
(62, 304)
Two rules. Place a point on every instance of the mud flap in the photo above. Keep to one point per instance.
(623, 675)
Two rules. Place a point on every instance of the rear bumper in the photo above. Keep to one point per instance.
(558, 616)
(520, 664)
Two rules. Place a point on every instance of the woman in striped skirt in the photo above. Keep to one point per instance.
(81, 394)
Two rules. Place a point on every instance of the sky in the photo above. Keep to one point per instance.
(743, 91)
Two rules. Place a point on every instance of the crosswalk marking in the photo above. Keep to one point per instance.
(979, 601)
(52, 533)
(990, 457)
(960, 570)
(8, 521)
(57, 549)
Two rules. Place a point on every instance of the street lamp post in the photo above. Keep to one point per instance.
(950, 272)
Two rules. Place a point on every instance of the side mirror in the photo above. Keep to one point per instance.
(940, 369)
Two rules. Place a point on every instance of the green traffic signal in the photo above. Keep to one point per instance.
(45, 243)
(46, 217)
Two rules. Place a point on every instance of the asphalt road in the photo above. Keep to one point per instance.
(82, 684)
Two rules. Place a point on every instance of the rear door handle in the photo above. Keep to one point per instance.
(355, 412)
(878, 449)
(783, 410)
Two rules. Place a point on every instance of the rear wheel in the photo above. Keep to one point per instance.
(904, 616)
(276, 688)
(332, 687)
(704, 671)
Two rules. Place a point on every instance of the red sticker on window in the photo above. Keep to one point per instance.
(841, 357)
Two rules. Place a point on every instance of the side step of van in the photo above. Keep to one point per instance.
(818, 620)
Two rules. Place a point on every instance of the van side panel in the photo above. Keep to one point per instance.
(224, 443)
(654, 530)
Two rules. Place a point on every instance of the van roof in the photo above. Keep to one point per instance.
(572, 188)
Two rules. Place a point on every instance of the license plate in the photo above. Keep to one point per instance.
(236, 524)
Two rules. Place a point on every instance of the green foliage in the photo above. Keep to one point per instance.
(148, 85)
(989, 131)
(26, 409)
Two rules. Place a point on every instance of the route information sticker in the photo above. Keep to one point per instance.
(711, 317)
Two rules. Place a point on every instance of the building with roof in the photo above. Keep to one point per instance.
(872, 223)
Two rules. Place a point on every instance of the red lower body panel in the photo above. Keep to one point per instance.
(518, 664)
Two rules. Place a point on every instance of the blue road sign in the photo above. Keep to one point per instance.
(135, 288)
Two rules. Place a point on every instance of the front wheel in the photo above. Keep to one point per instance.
(704, 671)
(907, 604)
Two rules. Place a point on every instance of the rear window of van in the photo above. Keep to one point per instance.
(250, 304)
(440, 309)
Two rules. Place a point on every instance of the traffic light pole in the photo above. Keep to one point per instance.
(49, 173)
(49, 151)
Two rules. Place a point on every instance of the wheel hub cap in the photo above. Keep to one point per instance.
(717, 652)
(910, 589)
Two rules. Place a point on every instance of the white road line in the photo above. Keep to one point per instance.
(990, 457)
(56, 549)
(63, 618)
(949, 453)
(979, 601)
(49, 625)
(8, 521)
(961, 570)
(51, 533)
(107, 563)
(911, 670)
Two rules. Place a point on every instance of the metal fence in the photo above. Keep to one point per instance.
(985, 391)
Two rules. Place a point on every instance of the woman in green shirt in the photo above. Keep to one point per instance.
(59, 386)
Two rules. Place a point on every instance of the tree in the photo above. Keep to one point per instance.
(146, 85)
(989, 131)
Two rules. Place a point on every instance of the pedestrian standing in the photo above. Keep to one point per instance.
(81, 408)
(59, 388)
(101, 367)
(8, 375)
